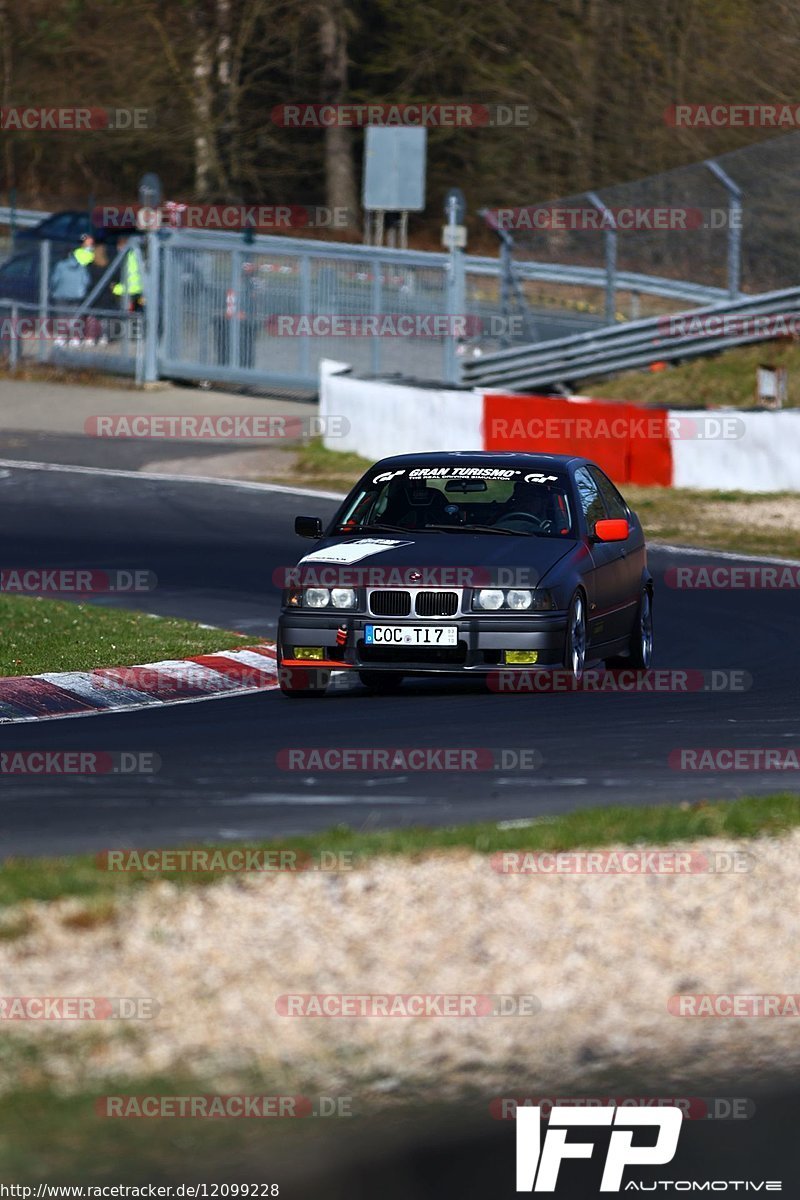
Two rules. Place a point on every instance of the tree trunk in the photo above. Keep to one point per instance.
(340, 181)
(6, 42)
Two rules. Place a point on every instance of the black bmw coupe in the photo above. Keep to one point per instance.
(468, 563)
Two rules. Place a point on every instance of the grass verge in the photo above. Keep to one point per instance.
(55, 635)
(727, 379)
(88, 877)
(767, 525)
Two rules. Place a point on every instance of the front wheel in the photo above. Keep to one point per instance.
(575, 643)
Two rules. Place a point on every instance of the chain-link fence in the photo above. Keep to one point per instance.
(727, 223)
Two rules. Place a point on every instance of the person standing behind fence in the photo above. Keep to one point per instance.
(130, 284)
(70, 281)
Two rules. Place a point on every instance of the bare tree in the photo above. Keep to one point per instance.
(340, 181)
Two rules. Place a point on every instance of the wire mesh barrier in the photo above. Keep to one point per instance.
(265, 310)
(95, 328)
(727, 223)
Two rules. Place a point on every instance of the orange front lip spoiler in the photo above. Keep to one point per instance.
(316, 662)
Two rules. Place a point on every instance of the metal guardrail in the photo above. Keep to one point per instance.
(626, 281)
(24, 218)
(563, 362)
(542, 272)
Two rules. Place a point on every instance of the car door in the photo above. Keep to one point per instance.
(606, 600)
(632, 549)
(19, 279)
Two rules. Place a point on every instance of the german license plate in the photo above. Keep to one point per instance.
(411, 635)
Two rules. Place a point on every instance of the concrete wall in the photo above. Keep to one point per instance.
(709, 450)
(394, 418)
(766, 458)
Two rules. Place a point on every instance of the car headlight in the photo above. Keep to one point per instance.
(343, 597)
(519, 599)
(317, 597)
(513, 600)
(490, 598)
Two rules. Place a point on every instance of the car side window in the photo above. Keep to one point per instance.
(589, 496)
(615, 505)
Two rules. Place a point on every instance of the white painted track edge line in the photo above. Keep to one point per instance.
(155, 476)
(707, 552)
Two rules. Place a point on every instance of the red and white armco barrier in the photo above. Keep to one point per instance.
(709, 450)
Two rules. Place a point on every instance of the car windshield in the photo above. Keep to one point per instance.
(501, 500)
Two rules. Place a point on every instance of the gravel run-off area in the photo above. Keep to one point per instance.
(602, 955)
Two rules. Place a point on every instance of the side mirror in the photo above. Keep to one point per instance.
(614, 529)
(308, 527)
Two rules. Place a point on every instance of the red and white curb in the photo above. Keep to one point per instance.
(121, 689)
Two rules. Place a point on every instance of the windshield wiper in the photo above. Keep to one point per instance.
(479, 529)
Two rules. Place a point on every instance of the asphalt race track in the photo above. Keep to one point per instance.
(213, 548)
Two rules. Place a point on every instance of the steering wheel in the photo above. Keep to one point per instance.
(536, 522)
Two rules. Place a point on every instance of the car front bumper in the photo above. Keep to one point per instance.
(482, 642)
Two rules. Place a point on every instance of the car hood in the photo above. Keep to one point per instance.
(484, 553)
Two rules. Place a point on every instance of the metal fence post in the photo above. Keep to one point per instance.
(306, 311)
(237, 306)
(44, 292)
(13, 353)
(152, 282)
(610, 240)
(376, 299)
(734, 227)
(456, 305)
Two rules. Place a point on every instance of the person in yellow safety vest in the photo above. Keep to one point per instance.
(131, 283)
(85, 252)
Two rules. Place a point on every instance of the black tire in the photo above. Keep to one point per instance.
(385, 682)
(640, 646)
(641, 650)
(576, 637)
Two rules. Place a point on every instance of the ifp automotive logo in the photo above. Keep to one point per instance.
(538, 1165)
(539, 1161)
